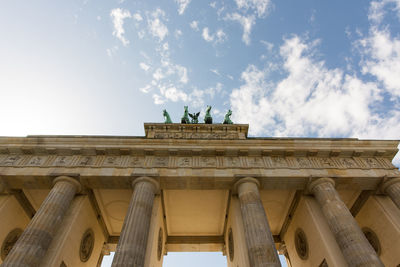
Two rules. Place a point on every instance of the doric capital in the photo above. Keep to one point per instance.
(388, 183)
(319, 181)
(70, 180)
(154, 182)
(246, 180)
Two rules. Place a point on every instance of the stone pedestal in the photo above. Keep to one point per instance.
(131, 248)
(260, 243)
(355, 247)
(31, 247)
(392, 189)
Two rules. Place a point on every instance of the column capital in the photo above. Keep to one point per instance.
(388, 183)
(319, 181)
(241, 181)
(154, 182)
(70, 180)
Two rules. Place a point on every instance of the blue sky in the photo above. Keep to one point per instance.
(288, 68)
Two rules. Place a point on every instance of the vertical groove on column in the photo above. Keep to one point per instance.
(394, 193)
(260, 243)
(35, 240)
(131, 248)
(351, 240)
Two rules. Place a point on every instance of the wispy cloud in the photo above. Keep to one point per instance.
(381, 51)
(246, 22)
(259, 6)
(182, 5)
(156, 27)
(144, 66)
(194, 25)
(218, 37)
(137, 17)
(206, 35)
(118, 15)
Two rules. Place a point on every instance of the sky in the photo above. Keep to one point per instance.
(287, 68)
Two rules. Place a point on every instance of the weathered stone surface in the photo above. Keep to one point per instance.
(35, 240)
(131, 248)
(392, 188)
(351, 240)
(260, 243)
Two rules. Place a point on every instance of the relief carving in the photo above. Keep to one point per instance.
(279, 162)
(255, 162)
(304, 162)
(86, 161)
(208, 162)
(371, 162)
(185, 162)
(186, 135)
(326, 162)
(160, 162)
(112, 161)
(348, 163)
(36, 161)
(12, 160)
(232, 162)
(135, 162)
(62, 161)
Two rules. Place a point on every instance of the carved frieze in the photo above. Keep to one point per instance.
(171, 161)
(208, 136)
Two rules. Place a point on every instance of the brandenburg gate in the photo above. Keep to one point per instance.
(69, 200)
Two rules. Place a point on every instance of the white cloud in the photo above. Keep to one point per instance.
(267, 45)
(118, 15)
(381, 51)
(206, 35)
(145, 89)
(156, 27)
(178, 34)
(310, 100)
(137, 17)
(111, 51)
(182, 5)
(259, 6)
(158, 100)
(194, 25)
(173, 94)
(182, 72)
(216, 72)
(219, 36)
(144, 66)
(246, 22)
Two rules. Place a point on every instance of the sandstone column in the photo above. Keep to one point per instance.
(392, 188)
(131, 248)
(35, 240)
(260, 243)
(355, 247)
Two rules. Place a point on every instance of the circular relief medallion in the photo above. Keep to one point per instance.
(9, 242)
(372, 239)
(160, 244)
(87, 244)
(231, 246)
(301, 243)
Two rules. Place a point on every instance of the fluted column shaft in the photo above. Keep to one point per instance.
(355, 247)
(131, 248)
(392, 188)
(260, 242)
(31, 247)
